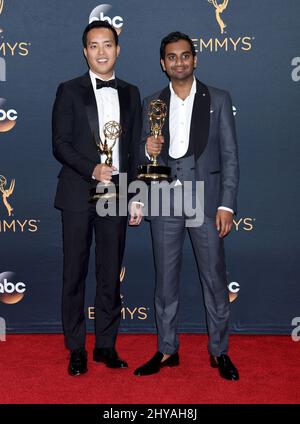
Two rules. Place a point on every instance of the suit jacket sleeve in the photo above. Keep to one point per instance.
(229, 156)
(135, 134)
(62, 135)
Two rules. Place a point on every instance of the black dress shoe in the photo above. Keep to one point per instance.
(78, 362)
(109, 357)
(154, 365)
(226, 368)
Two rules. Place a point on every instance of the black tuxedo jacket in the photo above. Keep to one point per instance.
(213, 137)
(74, 121)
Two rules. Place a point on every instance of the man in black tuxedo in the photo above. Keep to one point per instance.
(198, 144)
(81, 109)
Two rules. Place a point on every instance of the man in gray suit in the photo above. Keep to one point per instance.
(198, 143)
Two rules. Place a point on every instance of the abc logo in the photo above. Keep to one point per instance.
(10, 293)
(296, 70)
(11, 115)
(233, 288)
(8, 117)
(100, 13)
(296, 331)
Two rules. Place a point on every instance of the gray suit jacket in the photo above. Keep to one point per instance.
(212, 132)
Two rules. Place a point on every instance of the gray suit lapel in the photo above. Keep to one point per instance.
(200, 121)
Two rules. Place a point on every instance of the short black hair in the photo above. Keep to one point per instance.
(99, 24)
(172, 38)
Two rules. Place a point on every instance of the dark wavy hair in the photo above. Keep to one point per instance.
(99, 24)
(172, 38)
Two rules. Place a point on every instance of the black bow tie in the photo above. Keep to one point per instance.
(111, 83)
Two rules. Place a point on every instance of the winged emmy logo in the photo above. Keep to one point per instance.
(219, 9)
(6, 192)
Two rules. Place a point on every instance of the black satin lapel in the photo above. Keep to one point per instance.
(200, 121)
(124, 102)
(165, 96)
(91, 109)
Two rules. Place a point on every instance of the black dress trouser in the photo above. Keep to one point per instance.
(78, 229)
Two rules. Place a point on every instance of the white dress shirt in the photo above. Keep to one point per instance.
(180, 122)
(108, 107)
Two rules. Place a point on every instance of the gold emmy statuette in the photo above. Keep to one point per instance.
(112, 131)
(154, 172)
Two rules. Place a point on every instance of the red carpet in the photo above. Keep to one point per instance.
(33, 370)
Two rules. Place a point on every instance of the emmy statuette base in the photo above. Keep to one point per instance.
(95, 196)
(151, 172)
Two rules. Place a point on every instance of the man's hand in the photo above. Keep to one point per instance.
(224, 221)
(103, 172)
(154, 145)
(136, 213)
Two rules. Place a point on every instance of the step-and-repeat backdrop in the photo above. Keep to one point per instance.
(248, 47)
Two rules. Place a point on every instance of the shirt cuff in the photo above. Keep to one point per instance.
(146, 153)
(226, 209)
(139, 203)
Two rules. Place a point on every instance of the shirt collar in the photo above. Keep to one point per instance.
(93, 77)
(192, 92)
